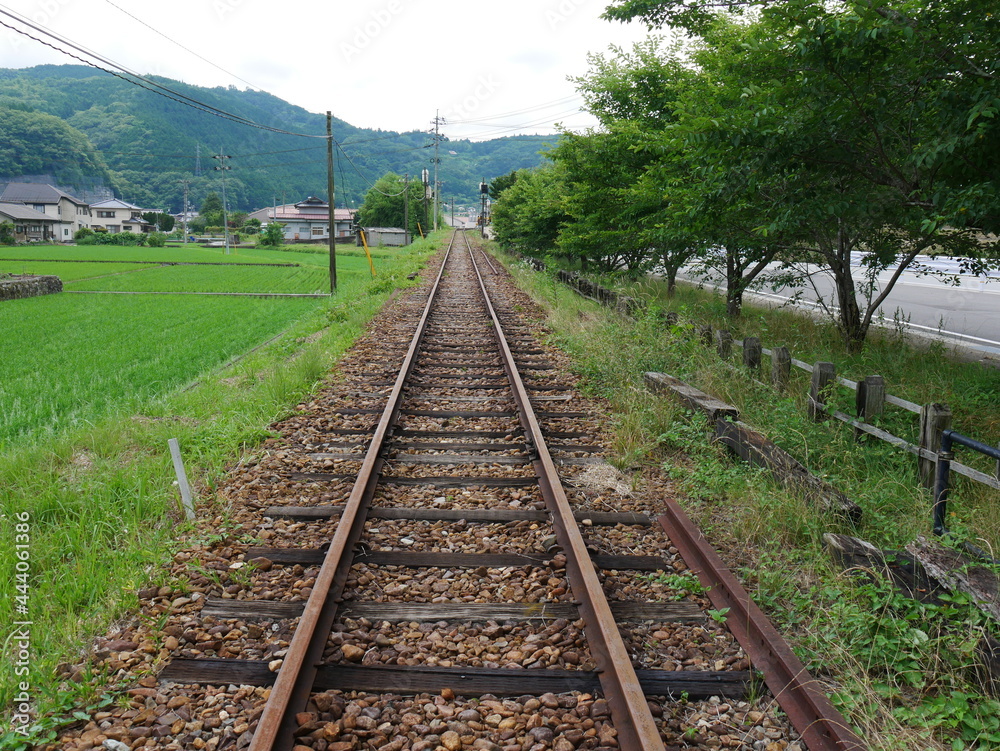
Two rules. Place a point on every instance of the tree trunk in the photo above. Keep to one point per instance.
(849, 320)
(671, 280)
(734, 285)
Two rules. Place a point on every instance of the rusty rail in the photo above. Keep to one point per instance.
(634, 722)
(811, 713)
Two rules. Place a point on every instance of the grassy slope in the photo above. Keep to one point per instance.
(102, 507)
(899, 669)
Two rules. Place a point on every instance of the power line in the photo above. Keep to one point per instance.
(553, 103)
(129, 75)
(186, 49)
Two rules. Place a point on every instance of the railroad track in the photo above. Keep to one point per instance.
(441, 526)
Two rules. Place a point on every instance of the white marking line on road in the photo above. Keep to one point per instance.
(931, 329)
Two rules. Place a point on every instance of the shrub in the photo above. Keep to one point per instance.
(156, 239)
(83, 233)
(6, 233)
(119, 238)
(273, 236)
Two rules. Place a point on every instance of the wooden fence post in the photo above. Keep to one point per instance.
(781, 368)
(724, 344)
(824, 376)
(934, 420)
(752, 352)
(870, 401)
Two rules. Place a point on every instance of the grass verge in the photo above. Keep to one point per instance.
(96, 509)
(901, 670)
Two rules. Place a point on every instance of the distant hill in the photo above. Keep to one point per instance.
(87, 127)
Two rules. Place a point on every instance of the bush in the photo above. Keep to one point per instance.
(119, 238)
(156, 239)
(6, 233)
(83, 233)
(273, 236)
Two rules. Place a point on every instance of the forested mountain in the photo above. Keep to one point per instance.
(85, 126)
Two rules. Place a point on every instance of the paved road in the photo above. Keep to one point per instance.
(968, 314)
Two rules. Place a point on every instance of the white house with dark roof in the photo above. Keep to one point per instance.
(308, 220)
(68, 212)
(116, 215)
(30, 226)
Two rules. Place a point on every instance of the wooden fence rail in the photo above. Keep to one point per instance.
(871, 397)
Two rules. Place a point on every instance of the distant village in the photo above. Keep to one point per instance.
(43, 213)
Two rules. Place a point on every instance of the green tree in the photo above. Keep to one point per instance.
(499, 184)
(212, 204)
(845, 129)
(273, 235)
(163, 222)
(384, 205)
(530, 214)
(6, 233)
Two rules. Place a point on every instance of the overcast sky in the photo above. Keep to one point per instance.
(490, 68)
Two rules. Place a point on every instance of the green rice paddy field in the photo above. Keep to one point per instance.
(68, 359)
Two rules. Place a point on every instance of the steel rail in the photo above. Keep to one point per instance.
(291, 690)
(633, 721)
(810, 711)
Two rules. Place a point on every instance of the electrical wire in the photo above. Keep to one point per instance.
(553, 103)
(186, 49)
(127, 75)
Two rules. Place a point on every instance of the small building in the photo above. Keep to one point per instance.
(308, 220)
(30, 225)
(67, 212)
(395, 237)
(116, 216)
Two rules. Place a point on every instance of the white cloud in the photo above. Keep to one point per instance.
(379, 63)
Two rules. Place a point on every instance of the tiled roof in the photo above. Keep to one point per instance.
(287, 212)
(115, 203)
(24, 213)
(35, 193)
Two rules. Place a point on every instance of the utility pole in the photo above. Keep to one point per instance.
(484, 193)
(184, 215)
(406, 210)
(329, 189)
(453, 211)
(425, 177)
(438, 121)
(225, 208)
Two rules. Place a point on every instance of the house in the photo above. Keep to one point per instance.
(68, 212)
(116, 215)
(308, 220)
(30, 225)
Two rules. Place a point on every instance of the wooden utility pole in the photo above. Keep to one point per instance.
(329, 189)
